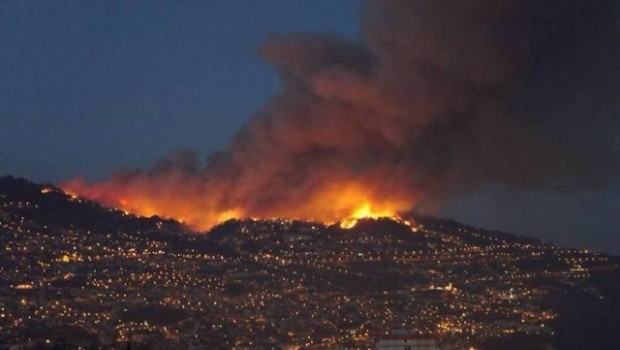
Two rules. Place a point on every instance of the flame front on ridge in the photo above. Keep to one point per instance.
(344, 204)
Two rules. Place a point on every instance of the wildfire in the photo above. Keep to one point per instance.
(342, 203)
(366, 211)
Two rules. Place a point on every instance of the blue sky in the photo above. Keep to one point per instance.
(87, 87)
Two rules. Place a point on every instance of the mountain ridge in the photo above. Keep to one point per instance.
(51, 197)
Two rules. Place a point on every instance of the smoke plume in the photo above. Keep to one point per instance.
(436, 99)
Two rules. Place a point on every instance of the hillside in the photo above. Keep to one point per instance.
(76, 274)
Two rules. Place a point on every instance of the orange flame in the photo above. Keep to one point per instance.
(343, 203)
(366, 211)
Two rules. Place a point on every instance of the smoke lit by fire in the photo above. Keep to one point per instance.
(438, 98)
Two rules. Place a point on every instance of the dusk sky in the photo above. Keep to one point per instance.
(87, 88)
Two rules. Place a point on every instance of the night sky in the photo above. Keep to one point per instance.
(90, 87)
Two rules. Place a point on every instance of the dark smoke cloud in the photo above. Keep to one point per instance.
(437, 99)
(516, 92)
